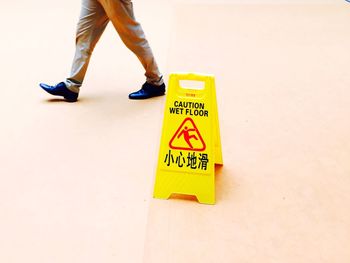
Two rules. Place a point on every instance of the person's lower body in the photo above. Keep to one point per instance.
(94, 17)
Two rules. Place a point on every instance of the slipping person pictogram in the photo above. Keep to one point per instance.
(186, 133)
(187, 137)
(94, 17)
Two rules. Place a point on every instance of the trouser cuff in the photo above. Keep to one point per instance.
(157, 82)
(72, 85)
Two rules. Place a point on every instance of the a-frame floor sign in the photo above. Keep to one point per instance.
(190, 144)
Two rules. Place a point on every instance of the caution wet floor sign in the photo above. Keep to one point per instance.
(190, 144)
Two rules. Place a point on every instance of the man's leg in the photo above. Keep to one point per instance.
(92, 22)
(120, 12)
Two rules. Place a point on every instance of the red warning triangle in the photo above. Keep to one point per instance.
(187, 137)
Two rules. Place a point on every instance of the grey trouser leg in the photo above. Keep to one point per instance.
(94, 17)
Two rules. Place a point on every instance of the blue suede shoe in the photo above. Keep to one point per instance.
(148, 91)
(60, 90)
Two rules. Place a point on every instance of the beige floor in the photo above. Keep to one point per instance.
(76, 180)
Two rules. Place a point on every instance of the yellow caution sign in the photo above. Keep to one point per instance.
(190, 143)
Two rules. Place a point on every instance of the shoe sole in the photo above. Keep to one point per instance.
(145, 98)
